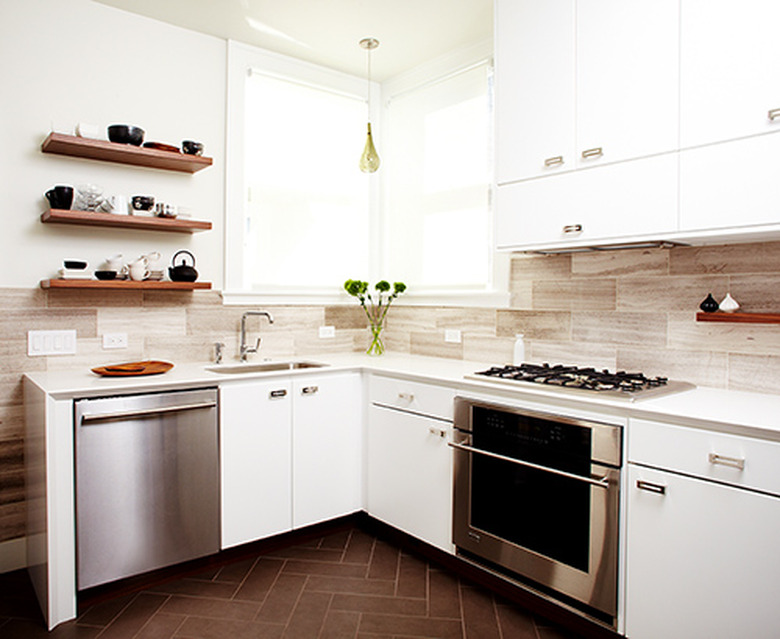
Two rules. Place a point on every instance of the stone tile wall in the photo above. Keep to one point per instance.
(632, 309)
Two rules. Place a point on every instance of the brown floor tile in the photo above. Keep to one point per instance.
(336, 541)
(324, 583)
(161, 626)
(479, 614)
(384, 561)
(235, 572)
(359, 548)
(308, 554)
(205, 628)
(516, 622)
(196, 588)
(340, 624)
(105, 612)
(443, 595)
(308, 617)
(410, 626)
(31, 629)
(134, 616)
(385, 605)
(299, 567)
(412, 577)
(281, 599)
(216, 608)
(259, 580)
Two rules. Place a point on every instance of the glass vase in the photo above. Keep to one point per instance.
(376, 347)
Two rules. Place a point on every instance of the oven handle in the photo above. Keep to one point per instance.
(601, 482)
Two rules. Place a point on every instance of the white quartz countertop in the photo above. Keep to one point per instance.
(739, 412)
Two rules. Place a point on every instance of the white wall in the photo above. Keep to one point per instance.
(70, 61)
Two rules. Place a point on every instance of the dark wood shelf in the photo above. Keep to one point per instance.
(91, 218)
(739, 318)
(118, 285)
(62, 144)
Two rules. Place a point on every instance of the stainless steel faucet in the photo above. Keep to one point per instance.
(245, 350)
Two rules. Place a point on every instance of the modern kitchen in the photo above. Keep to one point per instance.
(555, 396)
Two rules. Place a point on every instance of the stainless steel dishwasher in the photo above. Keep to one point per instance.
(147, 482)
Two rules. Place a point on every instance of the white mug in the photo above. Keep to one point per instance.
(152, 260)
(114, 263)
(138, 271)
(118, 205)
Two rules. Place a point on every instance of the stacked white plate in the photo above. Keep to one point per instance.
(155, 275)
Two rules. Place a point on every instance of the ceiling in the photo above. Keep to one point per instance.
(327, 32)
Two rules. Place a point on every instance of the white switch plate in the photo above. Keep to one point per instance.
(51, 343)
(452, 335)
(327, 332)
(114, 340)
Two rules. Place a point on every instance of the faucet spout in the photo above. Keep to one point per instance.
(244, 349)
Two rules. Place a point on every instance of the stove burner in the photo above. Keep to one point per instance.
(573, 376)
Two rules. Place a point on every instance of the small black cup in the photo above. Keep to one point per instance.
(190, 147)
(60, 197)
(142, 202)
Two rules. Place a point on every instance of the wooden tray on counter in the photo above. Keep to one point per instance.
(132, 369)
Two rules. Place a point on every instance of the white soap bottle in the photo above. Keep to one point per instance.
(519, 351)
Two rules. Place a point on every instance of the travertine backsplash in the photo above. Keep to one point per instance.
(632, 309)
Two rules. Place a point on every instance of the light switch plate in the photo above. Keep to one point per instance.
(452, 335)
(51, 343)
(327, 332)
(114, 340)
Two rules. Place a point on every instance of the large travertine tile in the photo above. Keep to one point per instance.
(540, 267)
(756, 293)
(662, 294)
(703, 368)
(142, 322)
(726, 259)
(397, 341)
(575, 294)
(94, 298)
(14, 323)
(549, 325)
(346, 316)
(12, 421)
(433, 345)
(310, 343)
(631, 329)
(14, 358)
(182, 298)
(411, 318)
(11, 391)
(468, 320)
(521, 294)
(572, 354)
(186, 348)
(620, 263)
(22, 298)
(759, 373)
(685, 333)
(488, 349)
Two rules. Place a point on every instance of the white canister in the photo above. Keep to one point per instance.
(518, 355)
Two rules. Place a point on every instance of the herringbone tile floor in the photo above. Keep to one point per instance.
(345, 585)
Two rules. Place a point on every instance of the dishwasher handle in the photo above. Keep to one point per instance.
(87, 419)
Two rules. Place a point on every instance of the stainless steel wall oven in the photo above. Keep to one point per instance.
(537, 498)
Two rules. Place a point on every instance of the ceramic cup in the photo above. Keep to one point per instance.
(138, 271)
(60, 197)
(114, 263)
(118, 205)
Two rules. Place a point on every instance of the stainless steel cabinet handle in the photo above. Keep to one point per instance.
(659, 489)
(556, 161)
(440, 432)
(409, 397)
(774, 114)
(592, 153)
(276, 394)
(722, 460)
(148, 412)
(572, 228)
(309, 390)
(601, 482)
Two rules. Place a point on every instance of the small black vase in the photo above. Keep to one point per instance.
(709, 305)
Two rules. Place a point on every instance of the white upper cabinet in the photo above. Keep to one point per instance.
(730, 75)
(582, 83)
(534, 88)
(627, 79)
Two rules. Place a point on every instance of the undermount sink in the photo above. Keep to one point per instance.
(262, 367)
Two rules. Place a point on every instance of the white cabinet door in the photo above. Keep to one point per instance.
(620, 201)
(327, 445)
(627, 79)
(256, 460)
(534, 87)
(702, 560)
(730, 76)
(410, 474)
(733, 184)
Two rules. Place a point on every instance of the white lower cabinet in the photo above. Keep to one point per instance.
(410, 465)
(327, 445)
(255, 460)
(701, 554)
(290, 454)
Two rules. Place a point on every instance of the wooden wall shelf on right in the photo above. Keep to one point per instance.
(739, 318)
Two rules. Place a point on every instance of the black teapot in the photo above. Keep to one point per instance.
(183, 272)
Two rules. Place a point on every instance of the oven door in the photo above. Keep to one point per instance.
(534, 496)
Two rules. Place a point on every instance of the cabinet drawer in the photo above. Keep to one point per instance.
(739, 461)
(425, 399)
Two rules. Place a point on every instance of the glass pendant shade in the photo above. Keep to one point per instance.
(369, 161)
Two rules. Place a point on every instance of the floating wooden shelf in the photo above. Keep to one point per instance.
(62, 144)
(737, 318)
(90, 218)
(119, 285)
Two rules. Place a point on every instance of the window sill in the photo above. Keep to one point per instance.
(484, 299)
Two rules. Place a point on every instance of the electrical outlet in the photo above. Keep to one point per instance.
(114, 340)
(51, 343)
(452, 335)
(327, 332)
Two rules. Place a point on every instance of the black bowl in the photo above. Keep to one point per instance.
(142, 202)
(126, 134)
(105, 275)
(190, 147)
(75, 264)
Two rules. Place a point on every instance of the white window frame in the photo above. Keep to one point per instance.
(241, 60)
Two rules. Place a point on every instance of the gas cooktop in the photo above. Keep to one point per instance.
(630, 386)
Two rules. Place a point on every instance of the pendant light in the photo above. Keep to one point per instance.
(369, 161)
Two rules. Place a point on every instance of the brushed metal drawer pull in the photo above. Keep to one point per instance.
(722, 460)
(556, 161)
(276, 394)
(309, 390)
(774, 114)
(659, 489)
(572, 228)
(407, 397)
(592, 153)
